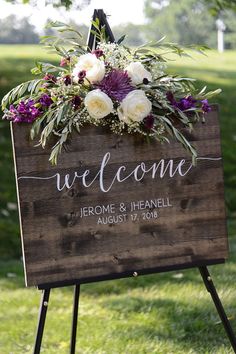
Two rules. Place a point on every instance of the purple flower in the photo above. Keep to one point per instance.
(116, 84)
(183, 104)
(76, 102)
(25, 112)
(98, 52)
(171, 99)
(45, 100)
(81, 75)
(149, 122)
(205, 106)
(186, 103)
(67, 80)
(145, 81)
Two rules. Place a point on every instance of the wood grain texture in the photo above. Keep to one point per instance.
(187, 225)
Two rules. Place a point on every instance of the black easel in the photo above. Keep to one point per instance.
(93, 40)
(92, 43)
(207, 279)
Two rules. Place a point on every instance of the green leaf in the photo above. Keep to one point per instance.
(56, 150)
(121, 39)
(46, 132)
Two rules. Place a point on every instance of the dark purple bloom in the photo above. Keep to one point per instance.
(45, 100)
(76, 102)
(98, 52)
(145, 81)
(25, 112)
(149, 122)
(67, 80)
(171, 99)
(116, 84)
(81, 75)
(50, 77)
(205, 106)
(186, 103)
(183, 104)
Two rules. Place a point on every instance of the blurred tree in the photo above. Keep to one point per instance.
(187, 22)
(182, 21)
(135, 34)
(56, 3)
(229, 19)
(14, 31)
(216, 6)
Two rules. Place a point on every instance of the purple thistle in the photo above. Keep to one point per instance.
(205, 106)
(149, 122)
(116, 84)
(25, 112)
(45, 100)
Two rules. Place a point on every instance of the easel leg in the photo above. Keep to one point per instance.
(42, 318)
(75, 319)
(212, 290)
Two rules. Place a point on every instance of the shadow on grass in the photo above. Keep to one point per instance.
(194, 325)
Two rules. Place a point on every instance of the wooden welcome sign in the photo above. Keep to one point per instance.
(118, 206)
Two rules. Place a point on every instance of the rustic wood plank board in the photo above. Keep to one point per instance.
(156, 212)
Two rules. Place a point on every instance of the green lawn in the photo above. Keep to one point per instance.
(164, 313)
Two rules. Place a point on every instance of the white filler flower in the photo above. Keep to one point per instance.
(134, 107)
(95, 68)
(137, 73)
(98, 104)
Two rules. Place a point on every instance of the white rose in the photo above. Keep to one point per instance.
(137, 72)
(134, 107)
(98, 104)
(95, 68)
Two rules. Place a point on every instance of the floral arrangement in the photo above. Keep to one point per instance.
(124, 88)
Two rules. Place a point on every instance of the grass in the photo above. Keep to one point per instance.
(163, 313)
